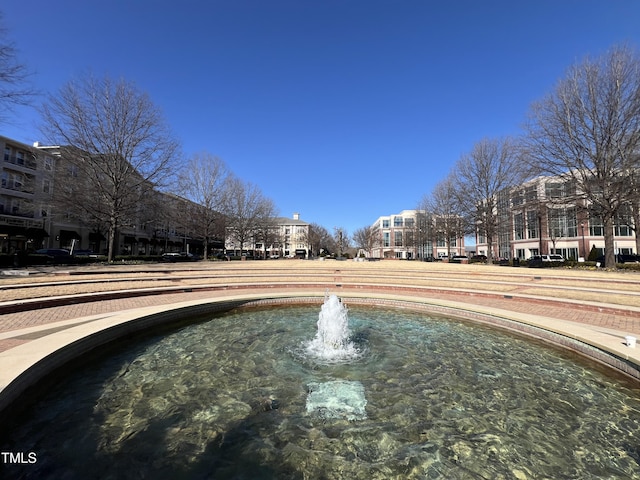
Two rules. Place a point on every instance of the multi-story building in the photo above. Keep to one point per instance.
(547, 216)
(31, 216)
(282, 237)
(415, 234)
(151, 229)
(25, 191)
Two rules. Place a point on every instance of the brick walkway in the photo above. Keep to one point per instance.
(14, 322)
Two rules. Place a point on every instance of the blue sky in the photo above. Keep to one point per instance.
(341, 110)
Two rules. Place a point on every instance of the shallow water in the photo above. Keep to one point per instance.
(227, 398)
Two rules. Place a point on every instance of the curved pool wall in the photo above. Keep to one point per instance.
(25, 366)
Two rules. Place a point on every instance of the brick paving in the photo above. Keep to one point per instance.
(626, 324)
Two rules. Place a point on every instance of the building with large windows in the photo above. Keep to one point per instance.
(25, 192)
(282, 238)
(547, 216)
(31, 218)
(415, 234)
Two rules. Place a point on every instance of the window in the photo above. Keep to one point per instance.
(557, 189)
(572, 223)
(386, 239)
(7, 153)
(531, 194)
(622, 231)
(397, 239)
(596, 229)
(385, 223)
(562, 223)
(553, 190)
(15, 182)
(518, 226)
(518, 198)
(397, 221)
(409, 222)
(48, 164)
(410, 238)
(46, 186)
(532, 224)
(567, 253)
(20, 158)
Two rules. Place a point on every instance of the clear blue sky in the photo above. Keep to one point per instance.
(341, 110)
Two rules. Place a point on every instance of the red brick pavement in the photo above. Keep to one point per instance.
(626, 324)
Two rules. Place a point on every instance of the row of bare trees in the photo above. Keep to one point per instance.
(223, 205)
(121, 160)
(585, 132)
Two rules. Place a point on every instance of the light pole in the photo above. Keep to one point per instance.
(584, 253)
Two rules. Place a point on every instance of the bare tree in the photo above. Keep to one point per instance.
(204, 181)
(366, 239)
(425, 233)
(319, 238)
(341, 238)
(15, 89)
(115, 144)
(587, 131)
(482, 177)
(247, 209)
(443, 205)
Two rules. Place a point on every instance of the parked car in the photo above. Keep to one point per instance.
(459, 259)
(53, 252)
(479, 258)
(180, 257)
(540, 260)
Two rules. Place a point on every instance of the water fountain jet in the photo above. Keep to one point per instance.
(332, 343)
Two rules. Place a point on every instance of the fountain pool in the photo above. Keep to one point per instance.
(229, 398)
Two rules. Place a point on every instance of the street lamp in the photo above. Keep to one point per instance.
(584, 253)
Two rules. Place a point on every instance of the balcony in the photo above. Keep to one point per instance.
(25, 161)
(17, 188)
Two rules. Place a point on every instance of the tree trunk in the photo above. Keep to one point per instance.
(609, 246)
(636, 227)
(111, 241)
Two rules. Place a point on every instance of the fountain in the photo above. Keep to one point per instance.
(332, 343)
(245, 395)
